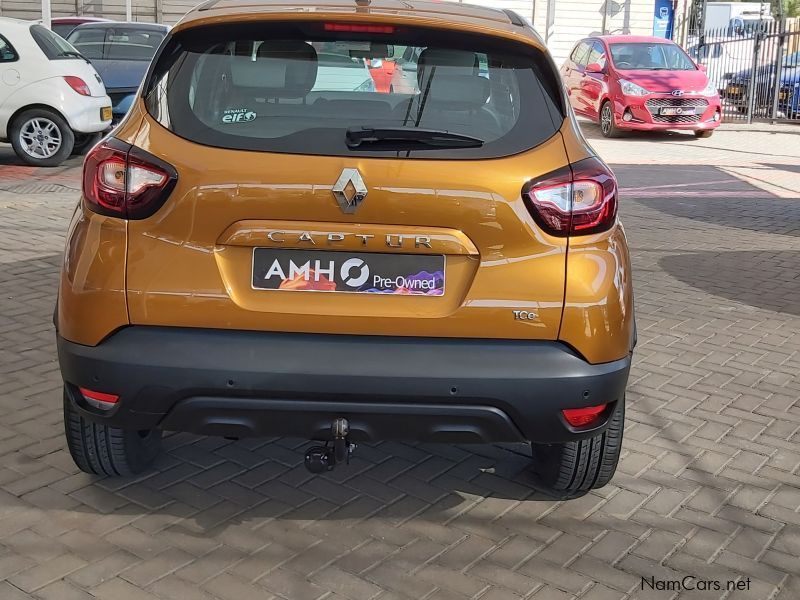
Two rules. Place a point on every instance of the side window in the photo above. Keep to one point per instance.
(597, 54)
(580, 54)
(7, 52)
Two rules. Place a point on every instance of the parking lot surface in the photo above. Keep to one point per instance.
(708, 486)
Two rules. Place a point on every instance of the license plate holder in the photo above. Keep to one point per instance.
(286, 269)
(678, 111)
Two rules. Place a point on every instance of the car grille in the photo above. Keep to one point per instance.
(654, 105)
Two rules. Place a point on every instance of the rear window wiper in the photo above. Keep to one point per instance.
(408, 136)
(75, 54)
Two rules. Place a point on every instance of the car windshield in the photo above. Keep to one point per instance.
(116, 43)
(650, 56)
(310, 90)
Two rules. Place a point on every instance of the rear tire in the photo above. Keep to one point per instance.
(608, 128)
(41, 137)
(84, 141)
(707, 133)
(571, 469)
(104, 450)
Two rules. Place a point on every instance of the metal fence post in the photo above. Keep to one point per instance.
(751, 89)
(776, 88)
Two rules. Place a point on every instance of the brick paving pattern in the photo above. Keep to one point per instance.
(709, 482)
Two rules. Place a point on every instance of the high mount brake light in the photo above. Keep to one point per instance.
(357, 28)
(78, 84)
(576, 200)
(121, 180)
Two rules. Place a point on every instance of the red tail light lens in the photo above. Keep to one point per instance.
(574, 201)
(124, 181)
(100, 400)
(78, 84)
(581, 417)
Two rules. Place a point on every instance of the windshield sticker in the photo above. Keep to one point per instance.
(238, 115)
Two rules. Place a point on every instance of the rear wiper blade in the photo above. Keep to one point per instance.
(74, 53)
(356, 136)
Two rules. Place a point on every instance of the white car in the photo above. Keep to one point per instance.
(52, 101)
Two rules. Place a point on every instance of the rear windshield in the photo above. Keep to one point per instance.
(116, 43)
(54, 46)
(647, 56)
(304, 88)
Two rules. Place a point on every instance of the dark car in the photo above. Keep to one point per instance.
(63, 26)
(121, 53)
(737, 92)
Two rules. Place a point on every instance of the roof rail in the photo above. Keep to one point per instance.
(514, 18)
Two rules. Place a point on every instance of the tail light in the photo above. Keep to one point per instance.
(576, 200)
(581, 417)
(121, 180)
(99, 400)
(78, 84)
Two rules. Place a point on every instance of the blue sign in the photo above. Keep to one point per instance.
(663, 19)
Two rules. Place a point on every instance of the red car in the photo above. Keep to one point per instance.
(627, 82)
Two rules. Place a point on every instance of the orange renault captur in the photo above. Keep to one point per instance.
(269, 246)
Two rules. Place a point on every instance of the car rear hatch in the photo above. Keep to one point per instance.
(263, 198)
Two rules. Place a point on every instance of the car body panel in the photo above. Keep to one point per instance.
(91, 298)
(487, 198)
(420, 13)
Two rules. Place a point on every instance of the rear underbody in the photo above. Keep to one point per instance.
(242, 384)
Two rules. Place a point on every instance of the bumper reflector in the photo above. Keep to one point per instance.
(580, 417)
(99, 400)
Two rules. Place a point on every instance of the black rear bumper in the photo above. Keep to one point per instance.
(237, 383)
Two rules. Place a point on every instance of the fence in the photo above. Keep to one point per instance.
(161, 11)
(756, 69)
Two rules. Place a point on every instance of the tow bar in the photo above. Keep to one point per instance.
(319, 459)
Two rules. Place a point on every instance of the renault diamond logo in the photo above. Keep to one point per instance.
(677, 93)
(349, 190)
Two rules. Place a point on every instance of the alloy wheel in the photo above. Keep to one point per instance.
(605, 119)
(40, 137)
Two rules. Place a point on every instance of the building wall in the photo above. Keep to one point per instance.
(569, 20)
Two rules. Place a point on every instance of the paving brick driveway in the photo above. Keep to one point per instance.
(709, 483)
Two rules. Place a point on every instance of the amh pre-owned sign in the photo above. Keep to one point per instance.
(359, 272)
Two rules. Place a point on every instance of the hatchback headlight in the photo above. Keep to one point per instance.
(711, 89)
(631, 89)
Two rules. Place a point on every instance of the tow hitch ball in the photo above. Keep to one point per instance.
(319, 459)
